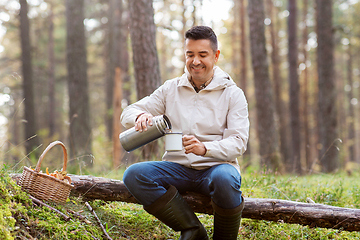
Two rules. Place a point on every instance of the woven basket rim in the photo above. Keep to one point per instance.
(48, 148)
(48, 176)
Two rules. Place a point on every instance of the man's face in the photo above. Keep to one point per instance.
(200, 59)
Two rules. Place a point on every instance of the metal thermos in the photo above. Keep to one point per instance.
(132, 139)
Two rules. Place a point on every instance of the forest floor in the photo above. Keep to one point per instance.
(21, 219)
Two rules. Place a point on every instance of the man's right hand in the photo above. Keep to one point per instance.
(143, 121)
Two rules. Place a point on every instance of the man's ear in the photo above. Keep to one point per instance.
(217, 55)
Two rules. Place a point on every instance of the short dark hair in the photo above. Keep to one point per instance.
(203, 32)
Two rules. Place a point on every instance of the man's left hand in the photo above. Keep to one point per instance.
(193, 145)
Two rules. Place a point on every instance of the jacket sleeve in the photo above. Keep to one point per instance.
(236, 135)
(153, 104)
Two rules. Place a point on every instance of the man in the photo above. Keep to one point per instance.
(211, 111)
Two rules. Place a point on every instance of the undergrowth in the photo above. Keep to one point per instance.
(21, 219)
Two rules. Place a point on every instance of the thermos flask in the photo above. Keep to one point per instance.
(132, 139)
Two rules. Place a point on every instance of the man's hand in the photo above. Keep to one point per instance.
(143, 121)
(193, 145)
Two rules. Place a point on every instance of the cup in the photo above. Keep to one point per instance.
(173, 142)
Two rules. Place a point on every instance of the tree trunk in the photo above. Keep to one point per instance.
(305, 94)
(277, 80)
(31, 139)
(243, 48)
(294, 89)
(314, 107)
(146, 63)
(243, 67)
(14, 138)
(165, 53)
(235, 43)
(308, 214)
(51, 93)
(284, 211)
(110, 51)
(341, 101)
(79, 111)
(312, 214)
(116, 46)
(183, 30)
(194, 23)
(124, 58)
(328, 154)
(351, 115)
(200, 19)
(263, 90)
(117, 149)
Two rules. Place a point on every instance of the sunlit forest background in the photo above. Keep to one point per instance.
(67, 68)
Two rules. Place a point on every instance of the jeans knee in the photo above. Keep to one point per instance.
(226, 183)
(130, 175)
(226, 176)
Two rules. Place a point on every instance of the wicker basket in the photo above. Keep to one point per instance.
(43, 186)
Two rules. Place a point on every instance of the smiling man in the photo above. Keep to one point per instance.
(201, 57)
(211, 111)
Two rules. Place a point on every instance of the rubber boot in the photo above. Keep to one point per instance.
(227, 222)
(172, 210)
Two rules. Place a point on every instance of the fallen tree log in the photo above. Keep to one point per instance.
(311, 214)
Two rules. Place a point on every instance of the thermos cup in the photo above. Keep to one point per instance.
(132, 139)
(173, 142)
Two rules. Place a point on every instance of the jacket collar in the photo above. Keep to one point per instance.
(220, 80)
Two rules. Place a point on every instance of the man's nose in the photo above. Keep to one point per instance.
(196, 60)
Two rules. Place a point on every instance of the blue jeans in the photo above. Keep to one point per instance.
(148, 181)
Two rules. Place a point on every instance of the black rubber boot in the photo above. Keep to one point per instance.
(172, 210)
(227, 222)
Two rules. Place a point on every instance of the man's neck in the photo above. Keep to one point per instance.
(200, 85)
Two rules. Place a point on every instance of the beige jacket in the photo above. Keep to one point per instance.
(217, 115)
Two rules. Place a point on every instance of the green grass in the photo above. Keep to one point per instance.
(331, 189)
(20, 219)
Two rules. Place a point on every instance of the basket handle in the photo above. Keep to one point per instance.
(51, 145)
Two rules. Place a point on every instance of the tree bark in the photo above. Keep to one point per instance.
(308, 214)
(31, 139)
(124, 58)
(117, 97)
(305, 93)
(184, 28)
(110, 52)
(142, 32)
(194, 23)
(327, 123)
(244, 67)
(351, 142)
(14, 131)
(235, 43)
(243, 48)
(263, 90)
(145, 58)
(116, 46)
(278, 85)
(51, 69)
(294, 89)
(79, 109)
